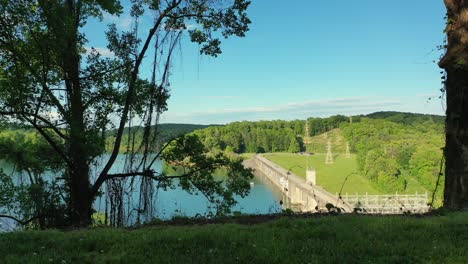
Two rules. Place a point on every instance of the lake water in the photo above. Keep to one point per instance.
(263, 197)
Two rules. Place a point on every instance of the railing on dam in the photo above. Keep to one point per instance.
(388, 203)
(301, 195)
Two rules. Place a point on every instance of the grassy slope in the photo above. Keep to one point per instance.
(319, 142)
(332, 176)
(329, 176)
(332, 239)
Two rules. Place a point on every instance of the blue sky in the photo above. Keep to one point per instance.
(306, 58)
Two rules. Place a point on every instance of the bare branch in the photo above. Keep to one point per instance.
(160, 152)
(145, 174)
(130, 94)
(19, 221)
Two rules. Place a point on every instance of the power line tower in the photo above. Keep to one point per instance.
(307, 138)
(348, 154)
(329, 159)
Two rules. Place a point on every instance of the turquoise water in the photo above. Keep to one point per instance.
(263, 197)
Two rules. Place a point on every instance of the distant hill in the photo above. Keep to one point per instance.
(166, 132)
(407, 118)
(169, 131)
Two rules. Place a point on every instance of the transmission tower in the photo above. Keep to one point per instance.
(348, 154)
(329, 159)
(307, 138)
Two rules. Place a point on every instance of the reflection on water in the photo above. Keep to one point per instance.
(173, 202)
(263, 198)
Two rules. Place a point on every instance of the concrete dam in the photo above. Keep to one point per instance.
(302, 195)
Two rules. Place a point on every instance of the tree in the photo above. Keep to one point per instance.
(71, 98)
(455, 64)
(294, 145)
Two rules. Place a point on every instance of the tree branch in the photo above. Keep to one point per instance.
(160, 152)
(49, 140)
(146, 174)
(47, 122)
(42, 82)
(106, 71)
(21, 222)
(102, 176)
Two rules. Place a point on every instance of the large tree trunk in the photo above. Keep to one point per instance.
(80, 191)
(80, 187)
(81, 201)
(455, 63)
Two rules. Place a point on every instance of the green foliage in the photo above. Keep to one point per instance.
(322, 125)
(253, 137)
(425, 165)
(407, 118)
(51, 80)
(28, 151)
(36, 196)
(295, 145)
(397, 149)
(7, 190)
(197, 167)
(384, 171)
(275, 136)
(229, 149)
(37, 205)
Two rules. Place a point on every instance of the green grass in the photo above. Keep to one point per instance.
(247, 155)
(332, 176)
(330, 239)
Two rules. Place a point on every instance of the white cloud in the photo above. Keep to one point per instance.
(222, 97)
(187, 27)
(103, 51)
(191, 26)
(122, 22)
(316, 108)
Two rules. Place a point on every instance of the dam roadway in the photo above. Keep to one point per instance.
(302, 196)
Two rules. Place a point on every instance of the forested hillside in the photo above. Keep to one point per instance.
(393, 149)
(407, 118)
(288, 136)
(390, 153)
(266, 136)
(254, 137)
